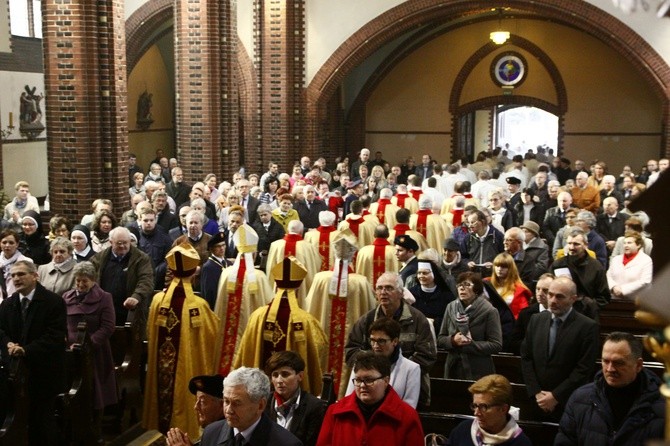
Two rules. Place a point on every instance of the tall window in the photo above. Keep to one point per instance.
(26, 18)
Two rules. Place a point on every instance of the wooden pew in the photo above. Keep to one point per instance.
(619, 315)
(452, 396)
(540, 433)
(126, 344)
(13, 430)
(75, 406)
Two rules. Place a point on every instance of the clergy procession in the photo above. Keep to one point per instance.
(343, 304)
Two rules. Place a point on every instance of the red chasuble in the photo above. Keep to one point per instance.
(324, 246)
(422, 221)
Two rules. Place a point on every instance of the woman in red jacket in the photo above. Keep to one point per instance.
(374, 414)
(505, 279)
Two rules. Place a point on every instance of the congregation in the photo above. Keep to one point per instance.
(363, 270)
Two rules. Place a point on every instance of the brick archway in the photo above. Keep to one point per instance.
(407, 16)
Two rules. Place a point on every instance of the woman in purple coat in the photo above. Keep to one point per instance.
(87, 302)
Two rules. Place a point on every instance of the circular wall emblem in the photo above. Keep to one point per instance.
(508, 69)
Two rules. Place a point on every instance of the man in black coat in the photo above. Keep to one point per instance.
(177, 189)
(522, 321)
(247, 201)
(559, 352)
(405, 251)
(165, 219)
(611, 224)
(289, 406)
(309, 208)
(36, 330)
(268, 230)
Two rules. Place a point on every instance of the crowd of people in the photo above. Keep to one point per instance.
(515, 255)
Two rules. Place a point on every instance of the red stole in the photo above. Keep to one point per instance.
(458, 217)
(379, 258)
(338, 328)
(401, 229)
(416, 193)
(232, 322)
(381, 208)
(365, 212)
(353, 224)
(324, 246)
(400, 199)
(291, 241)
(422, 221)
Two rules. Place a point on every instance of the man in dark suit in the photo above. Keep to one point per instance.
(540, 305)
(235, 220)
(210, 273)
(268, 230)
(309, 208)
(405, 251)
(245, 396)
(32, 325)
(554, 218)
(559, 352)
(247, 201)
(177, 189)
(611, 224)
(289, 406)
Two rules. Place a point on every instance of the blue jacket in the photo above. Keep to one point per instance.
(588, 419)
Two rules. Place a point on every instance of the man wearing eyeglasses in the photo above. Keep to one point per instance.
(373, 412)
(416, 339)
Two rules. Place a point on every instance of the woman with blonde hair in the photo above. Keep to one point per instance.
(492, 423)
(505, 279)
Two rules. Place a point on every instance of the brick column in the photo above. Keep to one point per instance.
(206, 91)
(280, 64)
(85, 80)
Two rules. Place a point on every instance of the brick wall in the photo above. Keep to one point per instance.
(85, 81)
(280, 63)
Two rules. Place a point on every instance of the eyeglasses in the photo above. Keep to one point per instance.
(482, 407)
(367, 382)
(379, 341)
(387, 288)
(465, 285)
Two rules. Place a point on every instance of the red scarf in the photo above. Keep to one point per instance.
(379, 258)
(628, 257)
(353, 224)
(422, 221)
(291, 241)
(400, 199)
(381, 208)
(401, 229)
(324, 246)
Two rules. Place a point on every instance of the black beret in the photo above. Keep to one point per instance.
(513, 180)
(451, 245)
(406, 242)
(216, 239)
(209, 384)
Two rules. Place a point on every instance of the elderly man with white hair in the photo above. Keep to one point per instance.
(245, 395)
(433, 227)
(323, 238)
(608, 189)
(585, 196)
(126, 273)
(384, 209)
(293, 245)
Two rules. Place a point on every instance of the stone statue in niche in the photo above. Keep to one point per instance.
(144, 104)
(30, 120)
